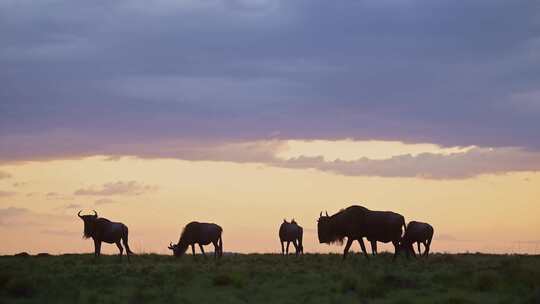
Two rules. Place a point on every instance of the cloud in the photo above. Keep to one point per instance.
(57, 196)
(73, 206)
(118, 188)
(7, 193)
(104, 201)
(230, 71)
(474, 162)
(13, 217)
(4, 175)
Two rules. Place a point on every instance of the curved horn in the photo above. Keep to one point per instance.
(95, 213)
(79, 214)
(326, 213)
(320, 214)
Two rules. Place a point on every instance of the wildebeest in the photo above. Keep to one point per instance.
(356, 222)
(417, 232)
(291, 232)
(202, 234)
(102, 230)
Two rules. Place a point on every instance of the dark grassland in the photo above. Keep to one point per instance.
(266, 278)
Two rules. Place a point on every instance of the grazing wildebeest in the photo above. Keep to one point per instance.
(102, 230)
(356, 222)
(417, 232)
(291, 232)
(202, 234)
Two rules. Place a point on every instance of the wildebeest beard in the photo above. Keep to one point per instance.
(88, 229)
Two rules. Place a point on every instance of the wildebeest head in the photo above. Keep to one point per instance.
(89, 223)
(176, 250)
(324, 229)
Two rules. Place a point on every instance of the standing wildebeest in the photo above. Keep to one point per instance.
(356, 222)
(102, 230)
(420, 233)
(291, 232)
(202, 234)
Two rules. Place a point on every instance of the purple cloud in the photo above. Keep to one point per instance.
(396, 70)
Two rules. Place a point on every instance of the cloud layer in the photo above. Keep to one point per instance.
(127, 71)
(133, 78)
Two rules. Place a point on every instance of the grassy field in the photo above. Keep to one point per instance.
(261, 278)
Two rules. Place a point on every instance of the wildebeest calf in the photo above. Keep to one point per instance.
(202, 234)
(102, 230)
(417, 232)
(291, 232)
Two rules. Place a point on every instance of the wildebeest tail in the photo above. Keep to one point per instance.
(125, 240)
(220, 242)
(300, 236)
(220, 246)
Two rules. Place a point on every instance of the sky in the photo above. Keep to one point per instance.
(157, 113)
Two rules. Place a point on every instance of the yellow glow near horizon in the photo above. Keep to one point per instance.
(348, 149)
(250, 200)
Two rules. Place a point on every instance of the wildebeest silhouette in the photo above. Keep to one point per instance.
(356, 222)
(201, 234)
(102, 230)
(291, 232)
(417, 232)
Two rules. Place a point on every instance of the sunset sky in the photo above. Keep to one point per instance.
(245, 112)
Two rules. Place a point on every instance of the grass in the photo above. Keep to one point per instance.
(266, 278)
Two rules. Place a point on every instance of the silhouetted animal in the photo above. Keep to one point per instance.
(417, 232)
(356, 222)
(202, 234)
(102, 230)
(22, 254)
(291, 232)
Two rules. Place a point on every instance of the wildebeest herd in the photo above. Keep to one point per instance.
(354, 223)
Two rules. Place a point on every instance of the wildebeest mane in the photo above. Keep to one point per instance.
(91, 226)
(335, 224)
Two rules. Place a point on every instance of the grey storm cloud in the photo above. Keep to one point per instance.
(88, 76)
(117, 188)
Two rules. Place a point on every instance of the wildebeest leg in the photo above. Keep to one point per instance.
(282, 248)
(193, 249)
(363, 247)
(295, 246)
(287, 250)
(215, 248)
(347, 246)
(428, 245)
(202, 250)
(97, 248)
(396, 249)
(410, 249)
(419, 251)
(373, 247)
(120, 248)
